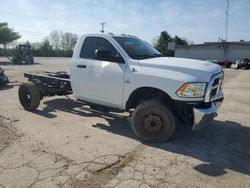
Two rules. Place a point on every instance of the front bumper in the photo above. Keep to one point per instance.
(203, 116)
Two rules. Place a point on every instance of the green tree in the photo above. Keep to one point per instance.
(179, 41)
(3, 24)
(46, 48)
(161, 44)
(7, 35)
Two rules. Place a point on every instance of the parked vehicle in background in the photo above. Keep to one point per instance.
(128, 74)
(23, 55)
(3, 78)
(223, 64)
(243, 64)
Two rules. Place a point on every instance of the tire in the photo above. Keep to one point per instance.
(153, 121)
(27, 61)
(14, 61)
(29, 96)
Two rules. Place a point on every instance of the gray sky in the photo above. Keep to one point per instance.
(195, 20)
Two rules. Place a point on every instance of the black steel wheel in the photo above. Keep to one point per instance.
(153, 121)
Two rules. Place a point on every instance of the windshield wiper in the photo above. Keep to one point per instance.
(158, 55)
(146, 56)
(143, 56)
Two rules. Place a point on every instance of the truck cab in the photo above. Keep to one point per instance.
(121, 71)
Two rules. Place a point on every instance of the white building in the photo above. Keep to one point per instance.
(220, 51)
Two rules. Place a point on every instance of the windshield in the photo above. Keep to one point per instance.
(137, 48)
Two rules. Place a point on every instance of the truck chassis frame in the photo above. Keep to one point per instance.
(51, 83)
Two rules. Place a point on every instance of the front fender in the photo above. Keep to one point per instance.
(166, 80)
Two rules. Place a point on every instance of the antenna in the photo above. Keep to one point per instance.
(102, 24)
(227, 18)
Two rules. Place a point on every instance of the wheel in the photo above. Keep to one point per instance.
(153, 121)
(27, 60)
(29, 96)
(14, 61)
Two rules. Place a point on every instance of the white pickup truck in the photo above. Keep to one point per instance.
(127, 74)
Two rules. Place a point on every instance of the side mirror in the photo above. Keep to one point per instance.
(106, 56)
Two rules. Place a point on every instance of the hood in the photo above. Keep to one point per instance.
(202, 70)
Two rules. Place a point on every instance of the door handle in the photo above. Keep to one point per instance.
(81, 66)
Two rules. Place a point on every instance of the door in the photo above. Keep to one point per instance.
(99, 81)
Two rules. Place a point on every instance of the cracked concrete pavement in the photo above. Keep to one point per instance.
(64, 144)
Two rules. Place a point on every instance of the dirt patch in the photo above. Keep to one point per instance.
(101, 176)
(7, 133)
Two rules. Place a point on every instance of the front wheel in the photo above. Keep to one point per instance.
(153, 121)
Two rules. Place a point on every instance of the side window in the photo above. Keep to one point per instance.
(91, 44)
(88, 48)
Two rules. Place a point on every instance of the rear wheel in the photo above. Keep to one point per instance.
(28, 60)
(29, 96)
(153, 121)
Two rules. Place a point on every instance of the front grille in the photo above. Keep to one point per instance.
(214, 91)
(216, 86)
(216, 81)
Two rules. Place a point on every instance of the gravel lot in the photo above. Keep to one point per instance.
(64, 144)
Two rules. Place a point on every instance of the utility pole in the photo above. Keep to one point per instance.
(225, 44)
(227, 17)
(102, 24)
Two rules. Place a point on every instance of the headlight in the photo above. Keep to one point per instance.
(192, 90)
